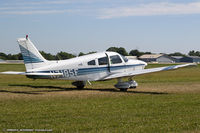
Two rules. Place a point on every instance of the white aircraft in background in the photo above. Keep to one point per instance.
(93, 67)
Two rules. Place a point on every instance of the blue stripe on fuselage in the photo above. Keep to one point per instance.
(86, 71)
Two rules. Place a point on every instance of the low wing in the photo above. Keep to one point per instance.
(34, 74)
(144, 71)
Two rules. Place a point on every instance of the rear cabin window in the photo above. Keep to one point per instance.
(115, 59)
(103, 61)
(92, 62)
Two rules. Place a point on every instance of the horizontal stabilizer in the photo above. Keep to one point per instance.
(13, 73)
(32, 74)
(44, 74)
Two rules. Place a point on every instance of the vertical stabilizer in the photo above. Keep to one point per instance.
(32, 57)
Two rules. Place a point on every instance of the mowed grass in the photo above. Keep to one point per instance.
(164, 102)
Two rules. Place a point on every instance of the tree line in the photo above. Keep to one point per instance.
(64, 55)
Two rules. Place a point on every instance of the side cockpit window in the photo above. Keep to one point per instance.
(92, 62)
(124, 58)
(115, 59)
(103, 61)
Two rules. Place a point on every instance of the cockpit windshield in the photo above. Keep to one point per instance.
(124, 58)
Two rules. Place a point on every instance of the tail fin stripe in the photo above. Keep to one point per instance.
(32, 57)
(29, 57)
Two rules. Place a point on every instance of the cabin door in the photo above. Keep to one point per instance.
(116, 64)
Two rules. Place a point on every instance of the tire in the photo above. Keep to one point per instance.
(80, 87)
(79, 84)
(124, 90)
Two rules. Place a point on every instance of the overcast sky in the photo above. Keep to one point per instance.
(94, 25)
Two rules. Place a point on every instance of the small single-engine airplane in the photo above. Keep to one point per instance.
(93, 67)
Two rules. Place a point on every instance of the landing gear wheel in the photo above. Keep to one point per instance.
(79, 84)
(80, 87)
(124, 86)
(124, 90)
(134, 87)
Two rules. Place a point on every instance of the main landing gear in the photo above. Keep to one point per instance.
(124, 86)
(79, 84)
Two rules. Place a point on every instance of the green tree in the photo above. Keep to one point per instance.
(91, 52)
(194, 53)
(191, 53)
(137, 53)
(176, 54)
(81, 54)
(16, 57)
(48, 56)
(113, 49)
(3, 56)
(64, 55)
(119, 50)
(19, 56)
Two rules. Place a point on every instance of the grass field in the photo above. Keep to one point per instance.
(164, 102)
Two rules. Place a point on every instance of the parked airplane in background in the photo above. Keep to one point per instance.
(93, 67)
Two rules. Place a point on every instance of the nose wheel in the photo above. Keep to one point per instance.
(124, 86)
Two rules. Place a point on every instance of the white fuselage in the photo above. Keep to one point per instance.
(91, 67)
